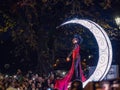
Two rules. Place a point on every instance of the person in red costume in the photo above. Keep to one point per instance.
(75, 71)
(76, 56)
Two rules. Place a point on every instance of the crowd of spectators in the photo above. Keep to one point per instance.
(36, 81)
(29, 81)
(32, 81)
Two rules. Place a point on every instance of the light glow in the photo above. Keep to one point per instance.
(117, 19)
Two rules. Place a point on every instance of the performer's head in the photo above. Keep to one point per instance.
(76, 85)
(77, 39)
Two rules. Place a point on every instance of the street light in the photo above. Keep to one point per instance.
(117, 19)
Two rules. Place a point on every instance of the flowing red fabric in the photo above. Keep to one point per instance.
(62, 84)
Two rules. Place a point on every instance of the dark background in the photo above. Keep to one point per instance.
(29, 39)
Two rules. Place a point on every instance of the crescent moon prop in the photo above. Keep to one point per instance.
(104, 47)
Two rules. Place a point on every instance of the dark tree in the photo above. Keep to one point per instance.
(31, 27)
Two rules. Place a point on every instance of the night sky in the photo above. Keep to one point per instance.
(29, 39)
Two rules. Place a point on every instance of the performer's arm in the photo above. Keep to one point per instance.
(70, 54)
(68, 57)
(75, 52)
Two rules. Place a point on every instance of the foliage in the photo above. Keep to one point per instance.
(6, 22)
(32, 24)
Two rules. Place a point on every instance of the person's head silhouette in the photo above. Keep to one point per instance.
(76, 85)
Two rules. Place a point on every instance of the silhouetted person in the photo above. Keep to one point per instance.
(76, 85)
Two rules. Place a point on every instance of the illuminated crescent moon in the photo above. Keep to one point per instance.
(104, 46)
